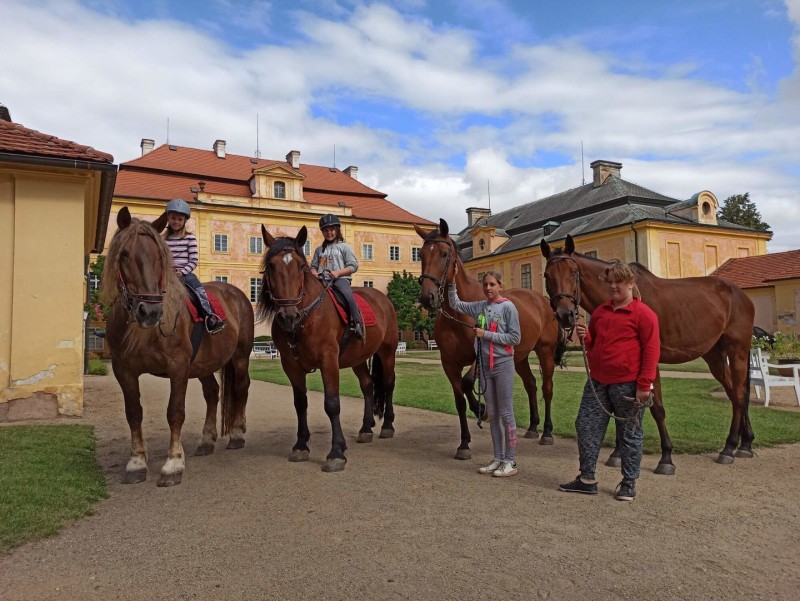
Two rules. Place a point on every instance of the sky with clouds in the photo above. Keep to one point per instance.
(443, 105)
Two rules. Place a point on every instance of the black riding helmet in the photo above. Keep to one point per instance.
(328, 221)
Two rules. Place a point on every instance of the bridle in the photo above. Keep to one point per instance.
(131, 300)
(576, 297)
(441, 281)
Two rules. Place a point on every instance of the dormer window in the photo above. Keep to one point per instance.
(279, 190)
(706, 209)
(482, 243)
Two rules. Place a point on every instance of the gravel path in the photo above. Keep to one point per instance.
(406, 521)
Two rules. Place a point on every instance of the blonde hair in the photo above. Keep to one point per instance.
(495, 274)
(618, 271)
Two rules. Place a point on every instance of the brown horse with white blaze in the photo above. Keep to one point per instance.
(704, 317)
(540, 331)
(149, 332)
(310, 336)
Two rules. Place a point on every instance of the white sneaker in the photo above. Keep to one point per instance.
(490, 468)
(505, 470)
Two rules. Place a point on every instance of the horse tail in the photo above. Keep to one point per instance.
(379, 390)
(226, 385)
(561, 345)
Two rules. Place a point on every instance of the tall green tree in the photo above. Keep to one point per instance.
(403, 292)
(741, 210)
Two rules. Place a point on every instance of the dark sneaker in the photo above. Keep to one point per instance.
(578, 485)
(626, 491)
(214, 324)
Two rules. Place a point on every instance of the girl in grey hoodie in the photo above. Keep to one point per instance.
(497, 332)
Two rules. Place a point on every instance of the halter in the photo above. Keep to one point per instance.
(129, 298)
(575, 298)
(286, 302)
(441, 281)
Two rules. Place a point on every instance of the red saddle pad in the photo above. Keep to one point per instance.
(215, 305)
(367, 314)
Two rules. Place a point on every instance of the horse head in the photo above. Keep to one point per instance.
(139, 266)
(562, 281)
(438, 257)
(283, 284)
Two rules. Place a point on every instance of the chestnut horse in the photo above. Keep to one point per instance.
(454, 336)
(149, 332)
(310, 336)
(704, 317)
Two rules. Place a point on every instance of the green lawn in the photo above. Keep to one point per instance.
(48, 476)
(697, 422)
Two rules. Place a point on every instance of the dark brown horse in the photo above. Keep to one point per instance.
(704, 317)
(309, 335)
(149, 333)
(455, 339)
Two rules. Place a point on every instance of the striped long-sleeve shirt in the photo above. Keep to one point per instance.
(184, 253)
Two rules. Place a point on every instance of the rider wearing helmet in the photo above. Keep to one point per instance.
(337, 261)
(183, 247)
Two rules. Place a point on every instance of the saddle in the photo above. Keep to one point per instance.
(367, 314)
(195, 311)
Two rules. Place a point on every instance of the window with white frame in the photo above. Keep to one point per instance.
(256, 245)
(255, 289)
(221, 278)
(280, 190)
(525, 276)
(415, 254)
(221, 243)
(366, 252)
(95, 342)
(94, 283)
(369, 284)
(394, 253)
(418, 335)
(307, 248)
(591, 253)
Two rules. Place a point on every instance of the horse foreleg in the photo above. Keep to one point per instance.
(336, 460)
(300, 450)
(665, 466)
(211, 395)
(136, 469)
(172, 471)
(453, 373)
(368, 391)
(388, 360)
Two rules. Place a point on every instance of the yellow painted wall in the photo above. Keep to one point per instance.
(764, 302)
(787, 299)
(41, 353)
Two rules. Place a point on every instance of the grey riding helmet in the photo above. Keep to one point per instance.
(178, 205)
(328, 221)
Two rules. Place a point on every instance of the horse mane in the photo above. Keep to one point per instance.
(265, 307)
(109, 292)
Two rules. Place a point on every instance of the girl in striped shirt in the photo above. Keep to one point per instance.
(183, 246)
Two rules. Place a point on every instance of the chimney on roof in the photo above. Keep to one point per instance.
(352, 171)
(293, 158)
(602, 169)
(147, 145)
(4, 114)
(475, 214)
(219, 149)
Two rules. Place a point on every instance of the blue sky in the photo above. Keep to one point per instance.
(432, 100)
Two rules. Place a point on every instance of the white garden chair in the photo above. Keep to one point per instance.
(761, 378)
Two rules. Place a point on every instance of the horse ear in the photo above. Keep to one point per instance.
(422, 233)
(160, 223)
(443, 227)
(123, 218)
(269, 240)
(302, 236)
(545, 248)
(569, 247)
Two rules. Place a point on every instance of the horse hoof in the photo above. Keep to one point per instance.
(531, 434)
(546, 440)
(235, 443)
(334, 465)
(134, 477)
(463, 454)
(744, 454)
(614, 461)
(204, 449)
(665, 469)
(387, 433)
(364, 437)
(170, 480)
(297, 455)
(724, 459)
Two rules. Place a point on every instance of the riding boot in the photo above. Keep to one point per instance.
(214, 322)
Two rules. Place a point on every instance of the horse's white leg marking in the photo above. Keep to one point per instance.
(136, 463)
(174, 465)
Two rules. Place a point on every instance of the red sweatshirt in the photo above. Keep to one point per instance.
(623, 345)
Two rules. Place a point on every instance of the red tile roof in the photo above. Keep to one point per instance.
(170, 171)
(757, 272)
(17, 139)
